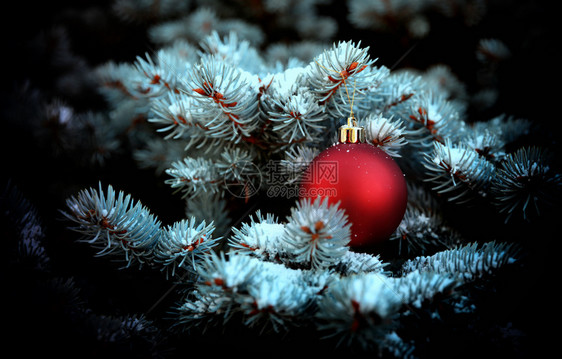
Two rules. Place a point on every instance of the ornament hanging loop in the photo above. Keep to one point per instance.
(351, 133)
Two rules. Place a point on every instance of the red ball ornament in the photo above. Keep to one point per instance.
(367, 182)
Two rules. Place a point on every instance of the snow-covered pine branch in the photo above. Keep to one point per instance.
(265, 294)
(384, 133)
(317, 233)
(184, 242)
(458, 171)
(230, 110)
(341, 74)
(434, 117)
(296, 160)
(226, 102)
(420, 231)
(468, 262)
(363, 309)
(114, 223)
(266, 238)
(194, 174)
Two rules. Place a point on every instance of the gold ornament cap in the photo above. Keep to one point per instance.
(351, 133)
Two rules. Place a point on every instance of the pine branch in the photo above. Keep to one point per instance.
(317, 233)
(194, 174)
(262, 238)
(434, 117)
(524, 182)
(227, 101)
(456, 168)
(232, 112)
(386, 134)
(114, 224)
(337, 72)
(184, 242)
(468, 262)
(421, 231)
(265, 294)
(25, 219)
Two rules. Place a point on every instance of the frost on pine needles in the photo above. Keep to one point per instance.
(386, 134)
(263, 293)
(227, 103)
(262, 237)
(185, 242)
(336, 72)
(228, 111)
(194, 174)
(359, 308)
(419, 231)
(114, 223)
(456, 168)
(318, 233)
(433, 117)
(468, 262)
(296, 161)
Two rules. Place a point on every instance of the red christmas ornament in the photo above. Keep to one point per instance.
(366, 181)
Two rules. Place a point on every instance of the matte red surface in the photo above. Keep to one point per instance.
(368, 184)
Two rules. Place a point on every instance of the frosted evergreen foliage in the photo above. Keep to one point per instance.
(524, 182)
(234, 165)
(236, 51)
(226, 96)
(359, 308)
(507, 128)
(468, 262)
(296, 161)
(186, 242)
(434, 117)
(298, 118)
(270, 240)
(262, 237)
(423, 229)
(386, 134)
(336, 72)
(265, 294)
(194, 174)
(457, 169)
(114, 223)
(418, 231)
(173, 114)
(232, 114)
(226, 100)
(487, 144)
(396, 90)
(417, 287)
(318, 233)
(158, 78)
(355, 262)
(362, 309)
